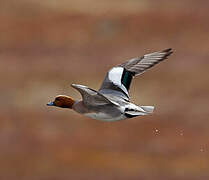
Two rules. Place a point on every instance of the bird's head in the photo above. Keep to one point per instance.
(62, 101)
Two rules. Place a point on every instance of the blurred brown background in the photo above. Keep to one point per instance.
(47, 45)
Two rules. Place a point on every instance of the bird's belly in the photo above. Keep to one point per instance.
(105, 117)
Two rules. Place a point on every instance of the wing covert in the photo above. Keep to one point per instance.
(92, 97)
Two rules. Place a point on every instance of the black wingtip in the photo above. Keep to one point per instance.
(168, 52)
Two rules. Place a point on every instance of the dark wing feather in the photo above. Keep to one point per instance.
(139, 65)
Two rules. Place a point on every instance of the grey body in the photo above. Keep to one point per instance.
(107, 112)
(111, 102)
(98, 106)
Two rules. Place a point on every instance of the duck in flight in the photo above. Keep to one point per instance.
(111, 102)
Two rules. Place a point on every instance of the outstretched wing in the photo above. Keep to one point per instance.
(139, 65)
(117, 81)
(92, 97)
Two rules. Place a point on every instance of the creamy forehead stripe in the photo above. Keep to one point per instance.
(115, 75)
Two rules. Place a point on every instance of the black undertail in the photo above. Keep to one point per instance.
(129, 115)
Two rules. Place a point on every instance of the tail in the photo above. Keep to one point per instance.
(148, 109)
(133, 110)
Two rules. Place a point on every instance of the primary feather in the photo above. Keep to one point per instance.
(139, 65)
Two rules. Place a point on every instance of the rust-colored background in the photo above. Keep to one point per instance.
(47, 45)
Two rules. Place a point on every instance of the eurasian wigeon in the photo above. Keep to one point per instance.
(111, 101)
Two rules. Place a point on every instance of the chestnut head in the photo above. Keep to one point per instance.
(62, 101)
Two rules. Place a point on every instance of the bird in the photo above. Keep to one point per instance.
(112, 102)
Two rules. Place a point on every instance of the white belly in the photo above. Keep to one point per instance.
(105, 117)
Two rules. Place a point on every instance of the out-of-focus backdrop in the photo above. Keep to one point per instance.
(47, 45)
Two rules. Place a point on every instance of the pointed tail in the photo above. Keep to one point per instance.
(148, 109)
(132, 110)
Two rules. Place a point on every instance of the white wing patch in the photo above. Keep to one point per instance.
(115, 75)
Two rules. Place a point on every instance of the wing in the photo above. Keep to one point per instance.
(139, 65)
(92, 97)
(117, 81)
